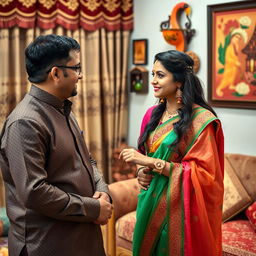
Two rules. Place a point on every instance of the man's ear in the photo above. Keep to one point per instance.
(55, 74)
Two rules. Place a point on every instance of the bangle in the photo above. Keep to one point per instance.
(142, 167)
(159, 166)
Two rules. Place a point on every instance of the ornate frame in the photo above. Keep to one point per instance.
(140, 52)
(231, 84)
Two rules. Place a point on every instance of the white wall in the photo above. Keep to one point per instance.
(239, 125)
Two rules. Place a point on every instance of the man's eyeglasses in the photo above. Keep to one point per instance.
(78, 69)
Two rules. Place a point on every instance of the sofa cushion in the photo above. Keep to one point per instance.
(236, 197)
(125, 226)
(251, 215)
(238, 238)
(125, 196)
(245, 168)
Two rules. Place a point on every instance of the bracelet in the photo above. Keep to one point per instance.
(159, 166)
(137, 172)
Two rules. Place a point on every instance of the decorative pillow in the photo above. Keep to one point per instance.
(244, 167)
(236, 197)
(251, 214)
(4, 222)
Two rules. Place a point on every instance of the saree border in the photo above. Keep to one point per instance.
(154, 226)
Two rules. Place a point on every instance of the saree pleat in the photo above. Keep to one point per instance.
(175, 212)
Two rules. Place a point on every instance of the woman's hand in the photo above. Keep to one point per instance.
(144, 178)
(130, 155)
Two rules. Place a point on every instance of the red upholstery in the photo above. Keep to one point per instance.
(251, 214)
(238, 238)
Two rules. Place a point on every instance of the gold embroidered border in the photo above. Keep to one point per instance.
(197, 124)
(48, 4)
(99, 15)
(91, 5)
(27, 3)
(71, 4)
(154, 226)
(175, 218)
(154, 136)
(5, 2)
(111, 5)
(24, 19)
(126, 5)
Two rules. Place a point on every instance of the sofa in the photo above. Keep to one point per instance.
(239, 235)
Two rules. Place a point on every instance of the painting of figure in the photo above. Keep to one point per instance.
(233, 56)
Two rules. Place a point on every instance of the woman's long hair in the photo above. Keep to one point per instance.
(181, 67)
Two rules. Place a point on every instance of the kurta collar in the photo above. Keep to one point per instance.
(50, 99)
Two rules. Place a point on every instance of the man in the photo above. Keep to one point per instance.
(56, 198)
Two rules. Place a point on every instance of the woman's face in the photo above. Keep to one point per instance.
(164, 86)
(235, 39)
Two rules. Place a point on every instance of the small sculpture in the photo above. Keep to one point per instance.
(172, 31)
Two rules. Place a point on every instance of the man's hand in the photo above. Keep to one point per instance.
(102, 195)
(105, 212)
(105, 207)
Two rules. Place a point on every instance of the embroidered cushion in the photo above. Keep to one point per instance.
(125, 226)
(251, 215)
(244, 166)
(236, 198)
(238, 238)
(125, 196)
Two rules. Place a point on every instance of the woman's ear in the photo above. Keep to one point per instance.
(178, 84)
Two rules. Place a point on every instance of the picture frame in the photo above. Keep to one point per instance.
(140, 52)
(232, 55)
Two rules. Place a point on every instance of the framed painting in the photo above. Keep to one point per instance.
(140, 52)
(232, 55)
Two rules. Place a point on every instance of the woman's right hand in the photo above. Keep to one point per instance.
(144, 177)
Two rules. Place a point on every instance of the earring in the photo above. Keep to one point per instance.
(161, 100)
(179, 95)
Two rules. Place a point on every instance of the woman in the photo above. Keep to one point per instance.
(180, 166)
(232, 65)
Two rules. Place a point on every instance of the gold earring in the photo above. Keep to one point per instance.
(161, 100)
(179, 95)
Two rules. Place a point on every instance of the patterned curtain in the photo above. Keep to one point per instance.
(70, 14)
(101, 104)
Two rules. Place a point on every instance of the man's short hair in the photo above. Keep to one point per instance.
(45, 52)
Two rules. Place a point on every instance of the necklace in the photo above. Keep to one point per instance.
(167, 115)
(171, 114)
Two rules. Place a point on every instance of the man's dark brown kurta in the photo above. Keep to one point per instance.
(49, 180)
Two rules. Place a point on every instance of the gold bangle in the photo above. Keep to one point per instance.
(159, 166)
(142, 167)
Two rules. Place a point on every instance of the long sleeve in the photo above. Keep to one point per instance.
(24, 148)
(99, 180)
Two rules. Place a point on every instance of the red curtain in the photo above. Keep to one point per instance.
(71, 14)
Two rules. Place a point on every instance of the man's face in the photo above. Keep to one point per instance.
(71, 75)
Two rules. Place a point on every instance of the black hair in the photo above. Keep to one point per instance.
(181, 67)
(45, 52)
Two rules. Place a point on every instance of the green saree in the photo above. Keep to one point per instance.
(160, 227)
